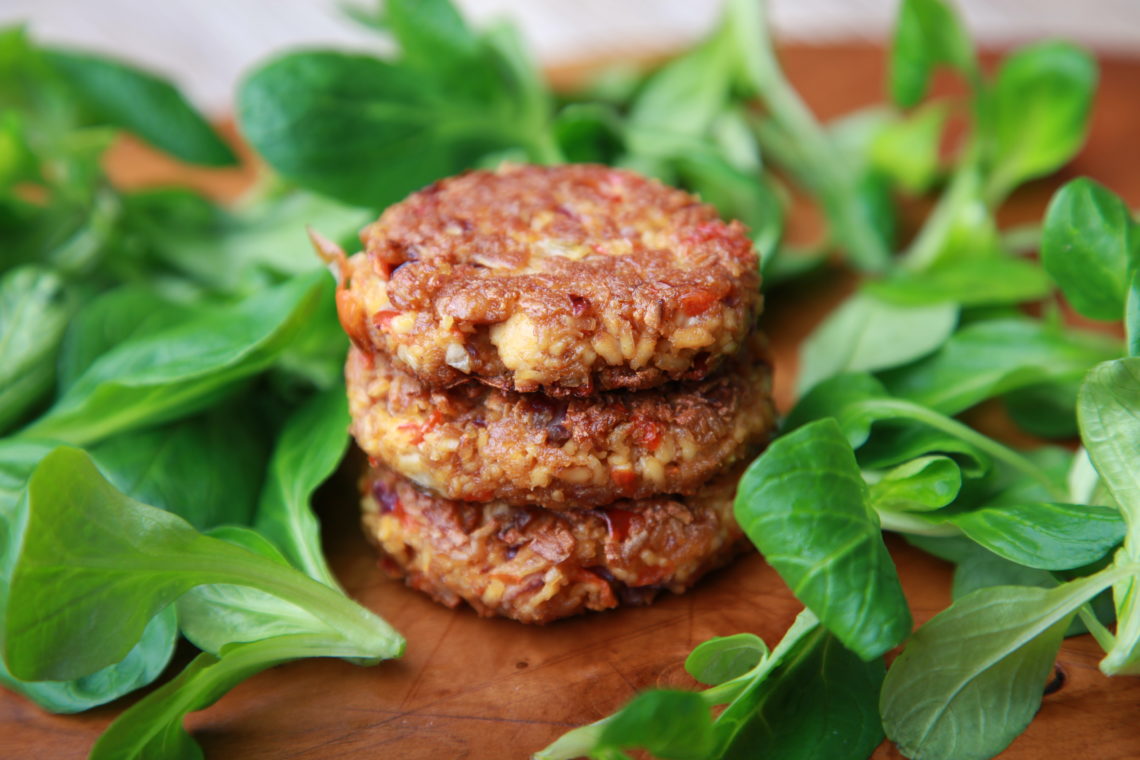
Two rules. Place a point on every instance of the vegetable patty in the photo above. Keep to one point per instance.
(477, 443)
(536, 565)
(570, 279)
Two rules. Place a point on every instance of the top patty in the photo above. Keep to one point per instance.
(568, 279)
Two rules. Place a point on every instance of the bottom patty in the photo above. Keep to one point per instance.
(535, 565)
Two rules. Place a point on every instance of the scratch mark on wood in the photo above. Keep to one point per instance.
(427, 662)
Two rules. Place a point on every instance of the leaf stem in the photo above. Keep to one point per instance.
(901, 522)
(313, 562)
(544, 149)
(581, 741)
(1102, 635)
(817, 163)
(963, 188)
(135, 732)
(1023, 238)
(967, 434)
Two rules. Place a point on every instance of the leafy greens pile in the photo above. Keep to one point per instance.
(1044, 541)
(171, 370)
(171, 397)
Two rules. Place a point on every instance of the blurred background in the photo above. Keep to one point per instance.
(207, 45)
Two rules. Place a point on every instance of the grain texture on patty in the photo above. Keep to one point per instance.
(569, 279)
(477, 443)
(535, 565)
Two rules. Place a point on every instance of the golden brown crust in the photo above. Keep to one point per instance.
(569, 280)
(535, 565)
(476, 443)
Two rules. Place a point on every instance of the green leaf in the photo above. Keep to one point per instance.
(907, 150)
(144, 663)
(840, 397)
(315, 357)
(215, 616)
(110, 319)
(142, 103)
(723, 658)
(1132, 315)
(1110, 432)
(898, 441)
(1083, 480)
(96, 566)
(927, 33)
(1047, 410)
(871, 193)
(86, 244)
(732, 136)
(966, 282)
(165, 375)
(992, 358)
(868, 333)
(207, 469)
(146, 660)
(243, 249)
(678, 104)
(792, 137)
(152, 727)
(970, 680)
(33, 315)
(588, 133)
(525, 99)
(803, 503)
(961, 226)
(857, 402)
(1040, 107)
(1047, 468)
(308, 451)
(673, 725)
(1089, 246)
(820, 704)
(1044, 535)
(431, 33)
(854, 134)
(743, 692)
(18, 162)
(483, 88)
(364, 131)
(920, 485)
(982, 568)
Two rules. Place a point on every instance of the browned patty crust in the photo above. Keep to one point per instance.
(535, 565)
(568, 279)
(477, 443)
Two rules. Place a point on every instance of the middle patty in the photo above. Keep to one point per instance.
(476, 443)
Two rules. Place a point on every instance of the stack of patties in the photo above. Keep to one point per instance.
(556, 376)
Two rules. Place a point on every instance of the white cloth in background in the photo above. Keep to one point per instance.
(206, 45)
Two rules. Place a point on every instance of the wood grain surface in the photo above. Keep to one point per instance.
(482, 689)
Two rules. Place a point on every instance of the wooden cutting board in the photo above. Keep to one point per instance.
(491, 689)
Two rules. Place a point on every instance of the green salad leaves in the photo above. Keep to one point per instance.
(178, 370)
(70, 612)
(793, 503)
(970, 680)
(166, 366)
(1038, 537)
(369, 131)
